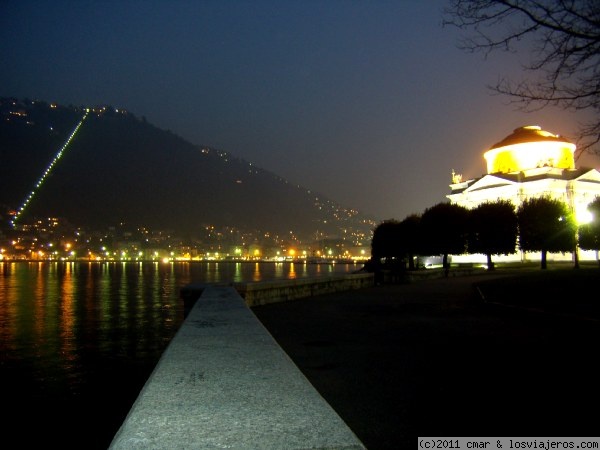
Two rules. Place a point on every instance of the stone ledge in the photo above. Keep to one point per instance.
(425, 274)
(224, 382)
(264, 292)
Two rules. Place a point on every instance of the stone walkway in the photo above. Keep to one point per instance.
(431, 358)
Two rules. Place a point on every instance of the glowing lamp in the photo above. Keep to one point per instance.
(583, 217)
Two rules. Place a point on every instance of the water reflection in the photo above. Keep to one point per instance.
(49, 308)
(77, 338)
(256, 273)
(238, 277)
(278, 270)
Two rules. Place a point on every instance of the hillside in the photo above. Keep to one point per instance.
(119, 168)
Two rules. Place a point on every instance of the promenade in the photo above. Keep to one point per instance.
(502, 353)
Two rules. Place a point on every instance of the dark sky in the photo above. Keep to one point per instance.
(368, 102)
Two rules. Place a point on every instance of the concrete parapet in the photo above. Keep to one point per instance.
(262, 293)
(224, 382)
(427, 274)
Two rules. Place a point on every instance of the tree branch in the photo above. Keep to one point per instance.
(565, 65)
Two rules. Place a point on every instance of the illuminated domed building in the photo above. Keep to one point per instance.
(528, 163)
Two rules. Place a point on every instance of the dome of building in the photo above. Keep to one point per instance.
(530, 147)
(530, 133)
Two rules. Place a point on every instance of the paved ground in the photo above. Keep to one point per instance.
(432, 358)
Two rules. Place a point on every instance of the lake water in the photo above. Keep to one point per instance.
(78, 340)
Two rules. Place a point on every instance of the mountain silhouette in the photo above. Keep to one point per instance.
(118, 168)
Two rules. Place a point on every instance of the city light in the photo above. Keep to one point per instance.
(47, 172)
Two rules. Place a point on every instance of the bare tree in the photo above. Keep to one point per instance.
(564, 36)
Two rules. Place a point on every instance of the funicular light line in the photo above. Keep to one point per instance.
(47, 170)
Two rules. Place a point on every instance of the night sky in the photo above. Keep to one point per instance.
(368, 102)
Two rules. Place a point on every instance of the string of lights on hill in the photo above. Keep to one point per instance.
(54, 161)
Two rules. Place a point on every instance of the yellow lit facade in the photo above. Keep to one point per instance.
(530, 148)
(529, 163)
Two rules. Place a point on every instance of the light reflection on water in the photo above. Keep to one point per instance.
(79, 339)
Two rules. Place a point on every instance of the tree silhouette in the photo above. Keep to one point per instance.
(545, 225)
(444, 231)
(386, 250)
(409, 230)
(385, 243)
(563, 37)
(493, 229)
(589, 233)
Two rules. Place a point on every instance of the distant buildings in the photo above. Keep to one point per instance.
(529, 163)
